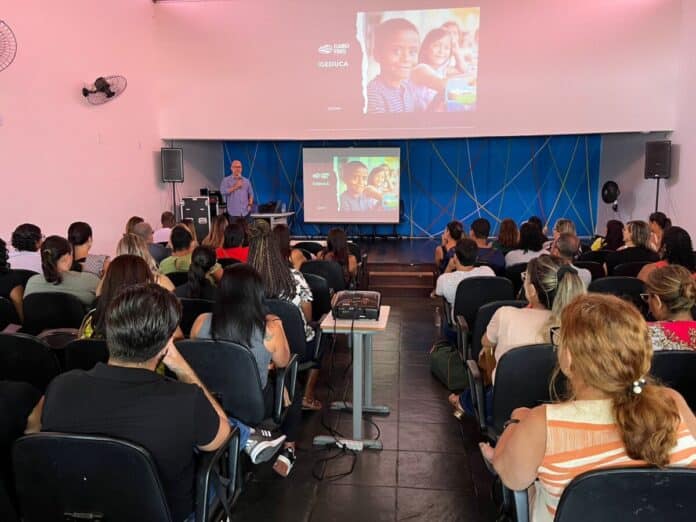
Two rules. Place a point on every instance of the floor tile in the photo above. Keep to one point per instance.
(429, 505)
(441, 437)
(423, 410)
(370, 468)
(347, 503)
(419, 469)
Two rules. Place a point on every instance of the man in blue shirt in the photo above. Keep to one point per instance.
(237, 191)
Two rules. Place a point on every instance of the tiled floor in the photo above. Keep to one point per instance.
(430, 468)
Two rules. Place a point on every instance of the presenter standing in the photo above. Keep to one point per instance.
(237, 191)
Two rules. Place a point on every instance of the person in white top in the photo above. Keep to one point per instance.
(161, 235)
(549, 286)
(26, 240)
(464, 259)
(565, 247)
(530, 245)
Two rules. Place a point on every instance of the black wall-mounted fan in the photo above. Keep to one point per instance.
(8, 46)
(105, 88)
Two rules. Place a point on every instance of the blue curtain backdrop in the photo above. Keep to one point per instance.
(447, 179)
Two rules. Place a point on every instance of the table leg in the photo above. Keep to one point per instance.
(357, 385)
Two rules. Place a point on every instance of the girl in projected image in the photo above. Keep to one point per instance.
(379, 184)
(433, 70)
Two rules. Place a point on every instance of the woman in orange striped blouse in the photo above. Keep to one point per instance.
(616, 415)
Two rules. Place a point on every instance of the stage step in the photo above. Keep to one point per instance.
(401, 279)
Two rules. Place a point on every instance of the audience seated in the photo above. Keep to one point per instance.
(239, 316)
(536, 220)
(26, 240)
(127, 399)
(635, 235)
(615, 417)
(56, 276)
(11, 284)
(182, 248)
(508, 236)
(671, 294)
(281, 281)
(480, 229)
(561, 226)
(336, 249)
(676, 249)
(80, 237)
(566, 246)
(464, 260)
(132, 221)
(188, 223)
(445, 251)
(216, 236)
(157, 251)
(131, 244)
(201, 284)
(161, 235)
(531, 245)
(613, 238)
(658, 223)
(232, 241)
(281, 234)
(549, 286)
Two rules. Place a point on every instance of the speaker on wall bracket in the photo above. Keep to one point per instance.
(658, 164)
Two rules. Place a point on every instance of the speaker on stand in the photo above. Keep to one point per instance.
(658, 163)
(172, 169)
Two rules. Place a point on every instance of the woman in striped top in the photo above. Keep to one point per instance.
(616, 415)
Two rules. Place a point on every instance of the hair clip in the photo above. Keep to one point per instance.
(638, 386)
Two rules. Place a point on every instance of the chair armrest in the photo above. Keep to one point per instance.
(318, 339)
(286, 378)
(217, 471)
(477, 394)
(521, 502)
(447, 312)
(463, 337)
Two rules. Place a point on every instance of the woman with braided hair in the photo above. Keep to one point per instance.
(615, 415)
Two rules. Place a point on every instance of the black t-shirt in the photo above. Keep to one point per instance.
(630, 255)
(167, 417)
(207, 292)
(8, 281)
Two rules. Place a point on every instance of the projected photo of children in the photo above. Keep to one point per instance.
(417, 61)
(370, 183)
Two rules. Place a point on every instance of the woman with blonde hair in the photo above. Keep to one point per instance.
(615, 416)
(134, 245)
(671, 294)
(635, 249)
(216, 236)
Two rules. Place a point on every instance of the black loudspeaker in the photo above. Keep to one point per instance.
(658, 159)
(172, 165)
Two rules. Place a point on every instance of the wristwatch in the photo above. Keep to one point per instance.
(510, 421)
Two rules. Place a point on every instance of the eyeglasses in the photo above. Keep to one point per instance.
(555, 336)
(645, 297)
(523, 276)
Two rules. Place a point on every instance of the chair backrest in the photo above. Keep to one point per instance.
(676, 369)
(45, 311)
(291, 317)
(635, 494)
(8, 313)
(629, 269)
(310, 246)
(178, 278)
(321, 303)
(598, 256)
(25, 358)
(522, 379)
(514, 274)
(84, 354)
(229, 371)
(59, 474)
(474, 292)
(228, 261)
(329, 270)
(190, 310)
(628, 288)
(483, 317)
(596, 269)
(354, 249)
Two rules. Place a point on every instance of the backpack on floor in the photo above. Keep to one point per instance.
(447, 366)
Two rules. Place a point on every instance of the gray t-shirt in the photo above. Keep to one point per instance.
(82, 285)
(258, 349)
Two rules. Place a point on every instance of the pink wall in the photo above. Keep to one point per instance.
(62, 159)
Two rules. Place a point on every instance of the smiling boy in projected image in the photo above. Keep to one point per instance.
(353, 199)
(396, 43)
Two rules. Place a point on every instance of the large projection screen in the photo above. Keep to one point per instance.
(385, 69)
(351, 185)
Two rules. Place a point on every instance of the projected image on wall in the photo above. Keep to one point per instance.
(351, 185)
(419, 60)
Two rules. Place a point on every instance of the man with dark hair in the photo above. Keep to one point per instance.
(129, 400)
(161, 235)
(180, 260)
(464, 262)
(26, 240)
(480, 230)
(445, 250)
(566, 247)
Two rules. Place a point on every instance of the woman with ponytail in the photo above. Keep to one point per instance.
(201, 283)
(56, 260)
(671, 294)
(615, 415)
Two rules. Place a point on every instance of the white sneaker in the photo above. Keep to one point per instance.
(261, 446)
